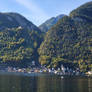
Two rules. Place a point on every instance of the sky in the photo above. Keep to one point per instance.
(38, 11)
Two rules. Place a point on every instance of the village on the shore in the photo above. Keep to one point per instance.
(43, 69)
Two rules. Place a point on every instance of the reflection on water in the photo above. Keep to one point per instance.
(43, 83)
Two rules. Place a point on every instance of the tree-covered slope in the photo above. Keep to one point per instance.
(11, 20)
(69, 41)
(19, 39)
(84, 12)
(49, 23)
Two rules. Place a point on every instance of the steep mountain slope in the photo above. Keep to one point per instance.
(15, 20)
(83, 12)
(19, 39)
(49, 23)
(70, 40)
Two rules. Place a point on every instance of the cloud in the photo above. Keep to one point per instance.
(37, 13)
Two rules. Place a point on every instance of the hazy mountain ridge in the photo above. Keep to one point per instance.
(50, 22)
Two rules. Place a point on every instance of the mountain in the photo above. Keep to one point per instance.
(83, 12)
(70, 41)
(11, 20)
(19, 40)
(49, 23)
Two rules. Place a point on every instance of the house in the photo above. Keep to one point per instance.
(89, 72)
(63, 69)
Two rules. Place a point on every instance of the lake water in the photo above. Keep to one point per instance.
(12, 82)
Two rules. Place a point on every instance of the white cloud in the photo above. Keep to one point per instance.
(38, 14)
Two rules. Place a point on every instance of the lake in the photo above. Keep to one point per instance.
(16, 82)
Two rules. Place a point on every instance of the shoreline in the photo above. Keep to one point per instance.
(40, 74)
(44, 70)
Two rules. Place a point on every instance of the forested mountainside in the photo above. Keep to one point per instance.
(50, 22)
(70, 40)
(19, 39)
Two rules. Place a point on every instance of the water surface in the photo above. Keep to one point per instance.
(12, 82)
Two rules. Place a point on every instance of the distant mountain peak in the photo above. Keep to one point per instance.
(50, 22)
